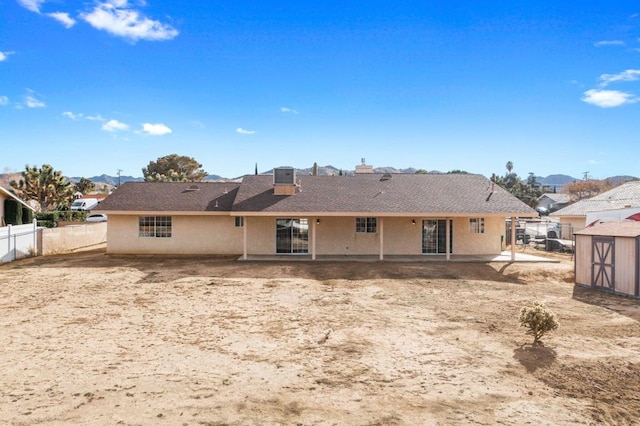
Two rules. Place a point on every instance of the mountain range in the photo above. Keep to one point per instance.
(554, 181)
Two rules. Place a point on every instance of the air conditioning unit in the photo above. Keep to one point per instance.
(284, 176)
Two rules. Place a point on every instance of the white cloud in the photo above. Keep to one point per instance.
(81, 116)
(156, 129)
(288, 110)
(608, 43)
(4, 100)
(114, 125)
(5, 55)
(32, 102)
(32, 5)
(63, 18)
(72, 115)
(245, 132)
(627, 75)
(118, 18)
(608, 98)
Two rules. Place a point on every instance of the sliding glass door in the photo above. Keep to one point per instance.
(292, 236)
(434, 236)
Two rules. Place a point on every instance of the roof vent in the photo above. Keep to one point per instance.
(386, 176)
(193, 188)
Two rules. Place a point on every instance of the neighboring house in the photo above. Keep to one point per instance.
(5, 194)
(363, 214)
(553, 201)
(621, 197)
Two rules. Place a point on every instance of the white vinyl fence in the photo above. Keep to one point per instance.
(18, 241)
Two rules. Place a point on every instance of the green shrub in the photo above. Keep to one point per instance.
(27, 215)
(538, 319)
(12, 212)
(51, 219)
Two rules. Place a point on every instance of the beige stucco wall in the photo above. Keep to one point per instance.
(57, 240)
(334, 236)
(337, 236)
(2, 198)
(190, 235)
(576, 222)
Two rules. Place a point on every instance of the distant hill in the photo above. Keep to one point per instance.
(334, 171)
(556, 181)
(618, 180)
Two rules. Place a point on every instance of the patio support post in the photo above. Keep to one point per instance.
(381, 238)
(313, 238)
(447, 243)
(513, 239)
(244, 238)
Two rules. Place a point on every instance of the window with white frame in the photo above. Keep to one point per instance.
(476, 225)
(367, 225)
(239, 221)
(154, 226)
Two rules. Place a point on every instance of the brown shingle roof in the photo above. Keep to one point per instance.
(364, 193)
(399, 193)
(171, 196)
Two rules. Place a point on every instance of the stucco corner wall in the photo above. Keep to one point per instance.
(190, 234)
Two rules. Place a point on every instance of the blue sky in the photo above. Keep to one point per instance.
(91, 87)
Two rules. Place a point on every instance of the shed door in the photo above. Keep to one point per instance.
(602, 262)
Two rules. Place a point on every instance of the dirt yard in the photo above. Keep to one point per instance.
(94, 339)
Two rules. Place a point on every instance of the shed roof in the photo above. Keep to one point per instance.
(625, 195)
(612, 229)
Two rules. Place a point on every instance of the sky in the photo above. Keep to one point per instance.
(100, 86)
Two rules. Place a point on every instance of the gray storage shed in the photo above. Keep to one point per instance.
(607, 256)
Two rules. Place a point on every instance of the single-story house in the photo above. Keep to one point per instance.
(607, 257)
(553, 201)
(5, 194)
(281, 214)
(624, 196)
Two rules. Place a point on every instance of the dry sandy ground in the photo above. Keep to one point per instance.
(93, 339)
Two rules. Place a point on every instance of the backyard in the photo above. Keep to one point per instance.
(94, 339)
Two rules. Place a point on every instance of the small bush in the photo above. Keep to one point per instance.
(51, 219)
(12, 212)
(538, 319)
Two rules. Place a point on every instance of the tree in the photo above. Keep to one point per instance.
(421, 172)
(587, 188)
(45, 185)
(174, 168)
(314, 169)
(85, 186)
(527, 191)
(457, 172)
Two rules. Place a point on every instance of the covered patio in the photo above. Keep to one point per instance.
(505, 256)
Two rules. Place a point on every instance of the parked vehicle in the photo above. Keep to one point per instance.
(97, 217)
(84, 204)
